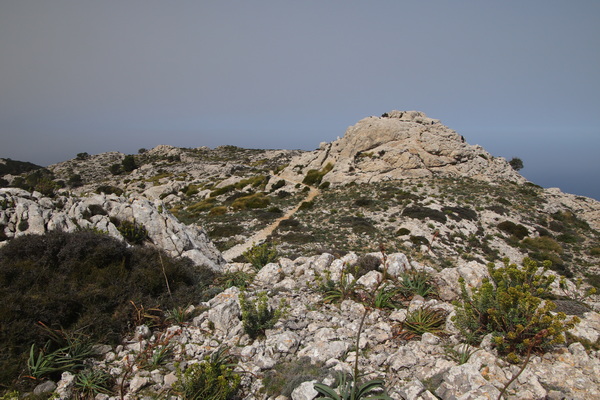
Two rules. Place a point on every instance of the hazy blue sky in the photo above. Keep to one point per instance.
(521, 78)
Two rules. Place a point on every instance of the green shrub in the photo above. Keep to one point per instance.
(403, 232)
(220, 210)
(133, 232)
(367, 263)
(256, 200)
(306, 205)
(518, 231)
(258, 316)
(203, 205)
(460, 213)
(277, 185)
(115, 169)
(225, 230)
(211, 379)
(512, 309)
(314, 176)
(420, 212)
(129, 163)
(261, 255)
(107, 189)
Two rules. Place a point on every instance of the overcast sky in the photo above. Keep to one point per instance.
(521, 78)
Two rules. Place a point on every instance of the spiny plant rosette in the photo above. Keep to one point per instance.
(511, 306)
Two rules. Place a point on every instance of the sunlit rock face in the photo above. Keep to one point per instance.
(397, 145)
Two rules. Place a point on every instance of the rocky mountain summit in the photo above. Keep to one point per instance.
(398, 145)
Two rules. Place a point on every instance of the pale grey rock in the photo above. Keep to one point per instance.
(447, 284)
(69, 214)
(64, 387)
(44, 387)
(323, 351)
(589, 327)
(305, 391)
(269, 275)
(285, 342)
(323, 262)
(430, 339)
(473, 273)
(412, 390)
(169, 380)
(137, 383)
(142, 332)
(225, 311)
(370, 280)
(465, 382)
(397, 263)
(385, 148)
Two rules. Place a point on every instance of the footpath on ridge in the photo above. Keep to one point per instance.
(263, 234)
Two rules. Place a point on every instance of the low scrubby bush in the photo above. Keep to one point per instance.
(419, 212)
(315, 176)
(213, 379)
(260, 255)
(511, 306)
(258, 316)
(256, 200)
(516, 230)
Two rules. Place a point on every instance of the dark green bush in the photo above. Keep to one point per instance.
(289, 224)
(115, 169)
(367, 263)
(306, 205)
(129, 163)
(83, 280)
(107, 189)
(403, 232)
(419, 240)
(419, 212)
(258, 316)
(518, 231)
(460, 213)
(279, 184)
(363, 202)
(359, 224)
(225, 230)
(314, 176)
(133, 232)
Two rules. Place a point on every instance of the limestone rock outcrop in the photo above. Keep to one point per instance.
(398, 145)
(24, 213)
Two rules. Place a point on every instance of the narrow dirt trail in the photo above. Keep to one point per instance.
(263, 234)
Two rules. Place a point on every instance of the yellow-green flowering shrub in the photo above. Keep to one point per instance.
(511, 306)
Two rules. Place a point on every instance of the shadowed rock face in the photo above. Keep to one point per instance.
(401, 144)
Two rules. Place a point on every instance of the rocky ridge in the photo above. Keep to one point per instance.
(317, 336)
(23, 213)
